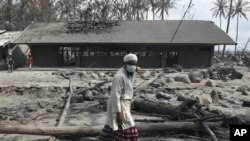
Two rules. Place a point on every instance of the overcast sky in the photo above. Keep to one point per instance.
(201, 11)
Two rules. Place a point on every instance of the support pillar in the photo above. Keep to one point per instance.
(163, 59)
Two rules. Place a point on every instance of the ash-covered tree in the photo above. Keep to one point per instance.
(241, 8)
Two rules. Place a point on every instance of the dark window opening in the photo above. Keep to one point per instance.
(171, 58)
(69, 56)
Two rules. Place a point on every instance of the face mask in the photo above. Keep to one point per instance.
(131, 68)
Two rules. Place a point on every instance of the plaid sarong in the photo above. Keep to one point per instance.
(130, 134)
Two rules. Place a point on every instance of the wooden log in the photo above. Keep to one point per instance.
(191, 137)
(66, 107)
(210, 132)
(146, 106)
(212, 118)
(150, 120)
(64, 113)
(94, 130)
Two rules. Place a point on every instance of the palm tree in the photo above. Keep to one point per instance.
(163, 7)
(120, 9)
(220, 10)
(228, 24)
(153, 7)
(137, 9)
(146, 5)
(240, 9)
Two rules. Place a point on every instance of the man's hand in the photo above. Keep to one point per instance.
(119, 118)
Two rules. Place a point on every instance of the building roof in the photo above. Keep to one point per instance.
(8, 37)
(143, 32)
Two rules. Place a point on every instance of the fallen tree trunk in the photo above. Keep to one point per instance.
(210, 132)
(94, 130)
(146, 106)
(66, 107)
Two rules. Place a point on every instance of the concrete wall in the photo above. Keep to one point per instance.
(193, 57)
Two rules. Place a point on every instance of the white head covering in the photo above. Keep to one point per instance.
(130, 57)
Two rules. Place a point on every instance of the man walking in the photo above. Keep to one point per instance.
(120, 125)
(10, 62)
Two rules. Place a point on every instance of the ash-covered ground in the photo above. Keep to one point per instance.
(37, 98)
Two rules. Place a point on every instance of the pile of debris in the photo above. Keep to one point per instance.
(224, 73)
(241, 59)
(90, 26)
(167, 104)
(24, 113)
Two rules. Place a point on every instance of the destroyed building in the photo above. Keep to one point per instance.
(103, 44)
(6, 40)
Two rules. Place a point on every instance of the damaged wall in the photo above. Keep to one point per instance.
(150, 56)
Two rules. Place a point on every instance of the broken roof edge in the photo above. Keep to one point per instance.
(123, 43)
(8, 37)
(22, 32)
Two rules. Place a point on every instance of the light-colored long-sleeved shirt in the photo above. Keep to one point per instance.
(120, 100)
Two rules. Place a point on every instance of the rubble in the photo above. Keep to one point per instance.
(224, 73)
(205, 74)
(182, 78)
(205, 99)
(202, 96)
(162, 95)
(146, 74)
(246, 103)
(210, 83)
(215, 96)
(245, 92)
(88, 95)
(195, 76)
(243, 88)
(170, 80)
(90, 26)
